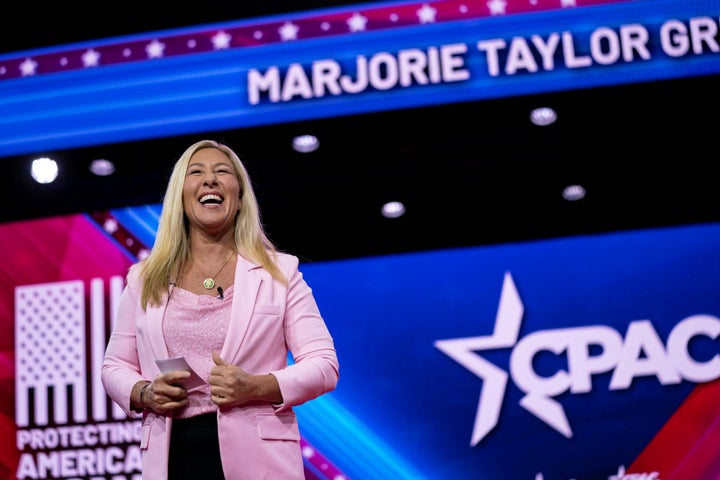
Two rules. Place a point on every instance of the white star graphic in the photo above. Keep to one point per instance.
(357, 22)
(568, 3)
(91, 58)
(27, 67)
(620, 474)
(155, 49)
(110, 225)
(426, 14)
(221, 40)
(462, 350)
(497, 7)
(288, 31)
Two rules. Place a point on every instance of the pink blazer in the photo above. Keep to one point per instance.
(258, 441)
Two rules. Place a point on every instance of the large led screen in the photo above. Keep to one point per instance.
(354, 60)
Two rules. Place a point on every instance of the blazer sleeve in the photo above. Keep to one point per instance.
(121, 367)
(315, 370)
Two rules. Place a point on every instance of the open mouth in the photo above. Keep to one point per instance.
(211, 199)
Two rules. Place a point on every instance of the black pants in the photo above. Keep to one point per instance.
(194, 449)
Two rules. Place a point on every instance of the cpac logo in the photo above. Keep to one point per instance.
(640, 353)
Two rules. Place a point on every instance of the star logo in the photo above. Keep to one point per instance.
(462, 350)
(497, 7)
(288, 31)
(221, 40)
(623, 356)
(155, 49)
(91, 58)
(357, 23)
(27, 67)
(426, 14)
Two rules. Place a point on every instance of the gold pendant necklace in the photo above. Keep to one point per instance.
(209, 282)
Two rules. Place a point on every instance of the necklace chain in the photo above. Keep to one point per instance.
(209, 282)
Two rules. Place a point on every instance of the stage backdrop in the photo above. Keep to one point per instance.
(352, 60)
(590, 357)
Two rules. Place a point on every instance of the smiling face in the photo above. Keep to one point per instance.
(211, 192)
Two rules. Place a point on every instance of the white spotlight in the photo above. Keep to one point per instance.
(305, 143)
(543, 116)
(393, 210)
(573, 193)
(44, 170)
(102, 167)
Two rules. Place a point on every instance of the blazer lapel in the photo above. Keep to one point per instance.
(246, 286)
(155, 337)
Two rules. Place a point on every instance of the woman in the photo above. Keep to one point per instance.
(217, 292)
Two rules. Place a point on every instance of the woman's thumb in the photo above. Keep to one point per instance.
(218, 359)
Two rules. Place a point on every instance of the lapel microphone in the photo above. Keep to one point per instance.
(220, 293)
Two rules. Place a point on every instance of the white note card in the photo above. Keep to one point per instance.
(179, 363)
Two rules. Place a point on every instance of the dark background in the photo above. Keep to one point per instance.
(471, 173)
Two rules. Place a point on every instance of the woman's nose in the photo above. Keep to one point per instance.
(210, 179)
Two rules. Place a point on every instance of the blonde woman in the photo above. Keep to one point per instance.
(216, 292)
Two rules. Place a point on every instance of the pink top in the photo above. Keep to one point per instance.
(194, 327)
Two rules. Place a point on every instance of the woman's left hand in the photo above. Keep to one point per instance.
(230, 385)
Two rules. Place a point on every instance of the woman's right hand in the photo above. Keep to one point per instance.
(163, 394)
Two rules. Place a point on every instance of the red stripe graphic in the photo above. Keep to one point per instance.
(202, 39)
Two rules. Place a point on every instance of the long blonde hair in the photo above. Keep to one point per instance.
(171, 250)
